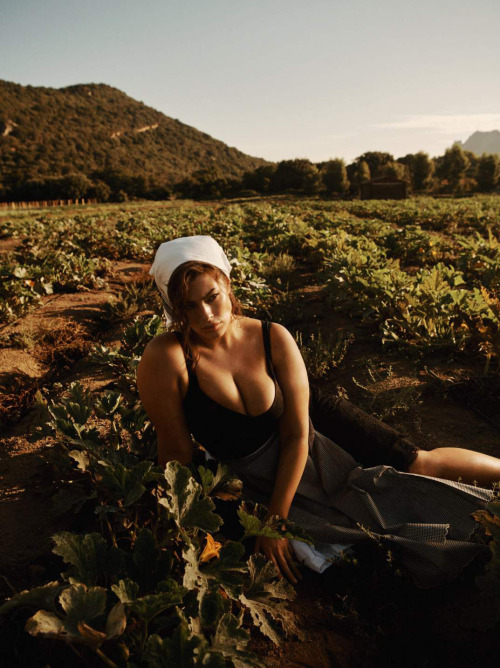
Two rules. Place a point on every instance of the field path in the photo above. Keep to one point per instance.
(26, 514)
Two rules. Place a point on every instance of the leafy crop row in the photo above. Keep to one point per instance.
(150, 583)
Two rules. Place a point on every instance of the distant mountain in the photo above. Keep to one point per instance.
(483, 142)
(96, 130)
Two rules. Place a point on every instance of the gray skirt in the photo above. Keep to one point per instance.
(338, 501)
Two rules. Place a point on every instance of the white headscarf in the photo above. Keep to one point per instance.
(172, 254)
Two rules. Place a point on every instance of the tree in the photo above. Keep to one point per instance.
(454, 166)
(363, 173)
(488, 173)
(375, 160)
(422, 171)
(259, 179)
(334, 176)
(395, 170)
(298, 174)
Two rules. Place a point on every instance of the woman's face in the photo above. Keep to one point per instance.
(208, 307)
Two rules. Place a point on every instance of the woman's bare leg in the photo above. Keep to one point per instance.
(457, 464)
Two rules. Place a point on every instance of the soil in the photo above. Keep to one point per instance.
(412, 396)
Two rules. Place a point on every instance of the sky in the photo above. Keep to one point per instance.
(277, 79)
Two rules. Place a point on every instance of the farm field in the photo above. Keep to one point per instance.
(395, 305)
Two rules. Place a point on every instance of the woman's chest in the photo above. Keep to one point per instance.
(244, 388)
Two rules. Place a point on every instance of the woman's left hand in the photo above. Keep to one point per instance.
(280, 552)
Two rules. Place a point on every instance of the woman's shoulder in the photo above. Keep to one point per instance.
(255, 324)
(164, 349)
(281, 339)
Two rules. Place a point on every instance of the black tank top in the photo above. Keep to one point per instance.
(225, 433)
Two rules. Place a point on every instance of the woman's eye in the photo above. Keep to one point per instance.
(212, 298)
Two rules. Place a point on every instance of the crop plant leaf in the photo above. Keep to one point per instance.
(38, 597)
(127, 590)
(148, 607)
(266, 599)
(229, 570)
(88, 554)
(117, 621)
(212, 607)
(107, 405)
(184, 649)
(273, 527)
(216, 484)
(81, 604)
(231, 641)
(124, 482)
(185, 501)
(81, 458)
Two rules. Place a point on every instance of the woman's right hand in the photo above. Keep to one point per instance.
(280, 552)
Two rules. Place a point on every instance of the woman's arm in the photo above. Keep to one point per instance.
(159, 378)
(294, 423)
(294, 436)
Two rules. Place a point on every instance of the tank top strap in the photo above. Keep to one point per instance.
(266, 335)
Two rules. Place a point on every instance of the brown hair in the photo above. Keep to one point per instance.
(178, 287)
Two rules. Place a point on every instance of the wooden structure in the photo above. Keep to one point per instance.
(384, 187)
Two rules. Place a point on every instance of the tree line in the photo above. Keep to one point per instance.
(455, 172)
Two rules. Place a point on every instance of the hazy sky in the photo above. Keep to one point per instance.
(276, 78)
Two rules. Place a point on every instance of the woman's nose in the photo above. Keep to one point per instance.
(207, 311)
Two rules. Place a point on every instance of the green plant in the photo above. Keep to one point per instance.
(151, 575)
(322, 355)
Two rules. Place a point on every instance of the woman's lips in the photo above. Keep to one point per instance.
(212, 327)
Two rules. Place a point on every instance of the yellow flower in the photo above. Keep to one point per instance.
(210, 550)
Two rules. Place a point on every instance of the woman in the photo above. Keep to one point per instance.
(240, 387)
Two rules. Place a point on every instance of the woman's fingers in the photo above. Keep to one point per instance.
(288, 573)
(293, 564)
(273, 559)
(285, 562)
(281, 554)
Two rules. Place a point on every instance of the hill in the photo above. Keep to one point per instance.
(98, 133)
(483, 142)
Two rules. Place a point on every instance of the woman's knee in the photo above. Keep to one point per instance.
(426, 463)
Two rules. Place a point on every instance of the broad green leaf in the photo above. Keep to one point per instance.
(117, 621)
(231, 641)
(265, 599)
(185, 501)
(148, 607)
(46, 624)
(81, 458)
(212, 607)
(82, 604)
(222, 482)
(193, 578)
(127, 590)
(38, 597)
(88, 554)
(229, 570)
(183, 650)
(107, 405)
(124, 482)
(274, 527)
